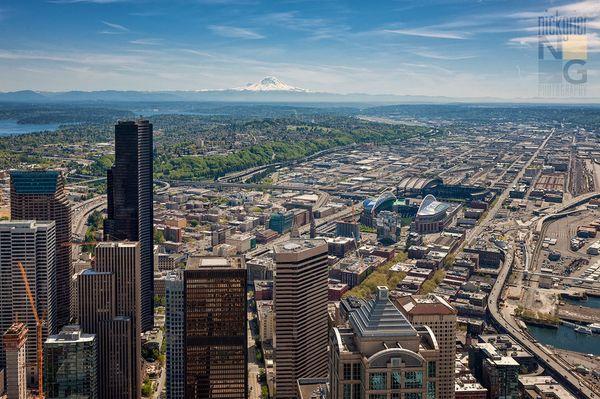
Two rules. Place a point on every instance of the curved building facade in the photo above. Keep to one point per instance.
(372, 206)
(433, 216)
(381, 355)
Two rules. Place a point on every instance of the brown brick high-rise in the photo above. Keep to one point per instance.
(301, 329)
(40, 195)
(109, 306)
(215, 334)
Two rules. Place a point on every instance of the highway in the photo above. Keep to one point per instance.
(81, 213)
(559, 370)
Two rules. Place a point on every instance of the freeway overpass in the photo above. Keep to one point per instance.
(557, 369)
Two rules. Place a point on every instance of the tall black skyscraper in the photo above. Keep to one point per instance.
(130, 215)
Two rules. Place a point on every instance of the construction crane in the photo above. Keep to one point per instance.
(38, 327)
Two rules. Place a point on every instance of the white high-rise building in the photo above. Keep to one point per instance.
(174, 335)
(33, 243)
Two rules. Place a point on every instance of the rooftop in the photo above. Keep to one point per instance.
(117, 244)
(70, 334)
(313, 388)
(296, 246)
(16, 328)
(34, 182)
(425, 304)
(213, 262)
(431, 206)
(380, 318)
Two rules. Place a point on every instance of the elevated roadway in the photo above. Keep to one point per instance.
(561, 371)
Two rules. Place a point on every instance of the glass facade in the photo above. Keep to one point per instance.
(413, 379)
(215, 333)
(70, 369)
(431, 390)
(431, 369)
(347, 391)
(396, 380)
(377, 381)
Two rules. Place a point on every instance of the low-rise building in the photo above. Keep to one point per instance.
(266, 320)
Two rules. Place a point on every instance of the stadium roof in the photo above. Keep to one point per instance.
(431, 206)
(414, 183)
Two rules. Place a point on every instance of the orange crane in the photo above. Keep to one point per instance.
(38, 326)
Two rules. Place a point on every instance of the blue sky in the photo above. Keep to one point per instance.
(458, 48)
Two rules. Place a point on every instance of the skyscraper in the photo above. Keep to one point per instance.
(14, 345)
(436, 313)
(215, 348)
(70, 364)
(33, 244)
(300, 314)
(41, 195)
(109, 307)
(174, 333)
(130, 214)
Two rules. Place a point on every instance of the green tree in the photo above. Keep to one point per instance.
(159, 237)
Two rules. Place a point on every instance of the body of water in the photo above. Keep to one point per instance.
(565, 337)
(11, 127)
(591, 302)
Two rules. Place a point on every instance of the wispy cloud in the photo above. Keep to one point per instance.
(115, 26)
(429, 33)
(235, 32)
(197, 52)
(440, 56)
(317, 28)
(580, 8)
(147, 42)
(115, 29)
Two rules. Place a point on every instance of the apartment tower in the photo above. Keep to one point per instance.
(436, 313)
(130, 214)
(33, 244)
(174, 333)
(215, 331)
(14, 340)
(41, 195)
(300, 314)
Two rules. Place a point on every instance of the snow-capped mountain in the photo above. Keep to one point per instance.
(271, 83)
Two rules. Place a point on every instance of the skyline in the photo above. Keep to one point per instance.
(449, 48)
